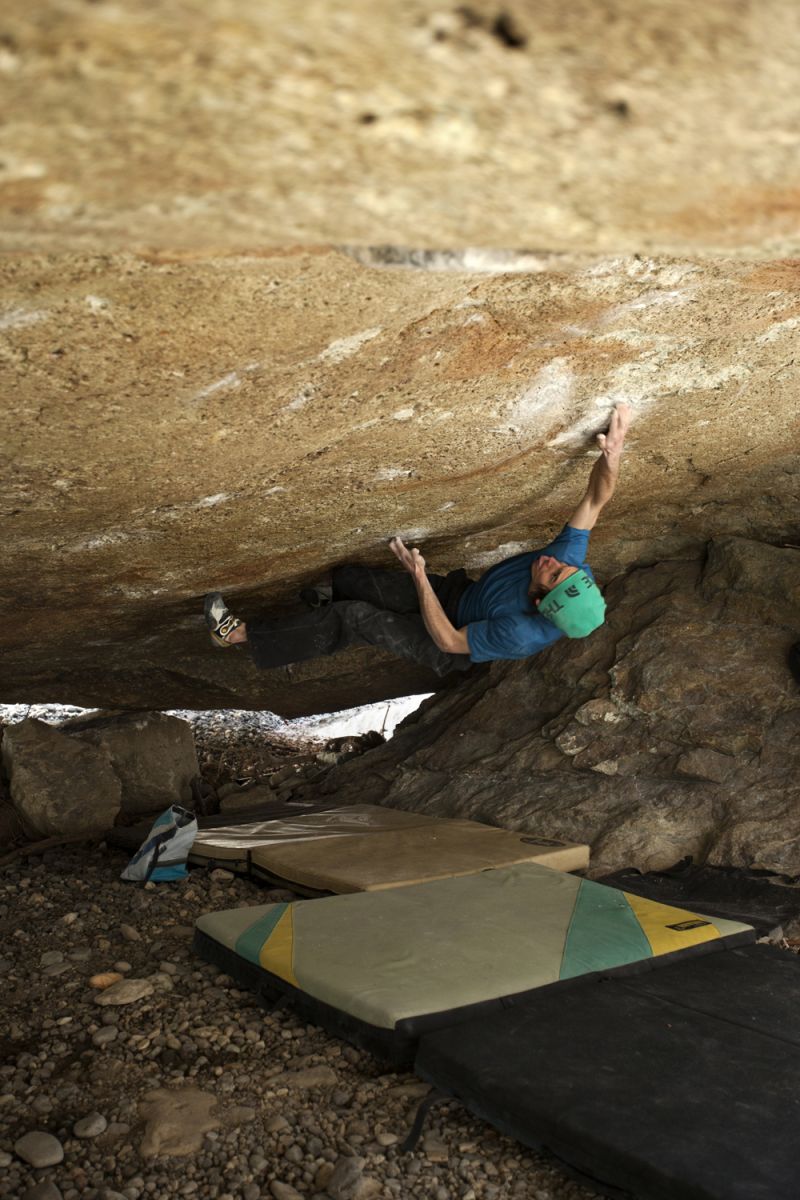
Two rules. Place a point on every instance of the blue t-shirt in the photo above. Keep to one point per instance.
(500, 618)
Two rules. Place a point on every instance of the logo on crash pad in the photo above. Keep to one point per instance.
(682, 925)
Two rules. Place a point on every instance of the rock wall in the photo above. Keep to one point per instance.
(607, 126)
(673, 731)
(182, 424)
(203, 391)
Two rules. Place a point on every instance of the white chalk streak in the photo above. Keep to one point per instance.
(776, 331)
(487, 558)
(212, 501)
(387, 473)
(544, 400)
(101, 540)
(302, 398)
(346, 346)
(231, 380)
(645, 382)
(17, 318)
(413, 536)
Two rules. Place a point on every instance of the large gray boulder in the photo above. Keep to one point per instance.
(76, 778)
(59, 784)
(153, 755)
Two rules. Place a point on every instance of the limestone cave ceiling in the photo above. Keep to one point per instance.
(278, 283)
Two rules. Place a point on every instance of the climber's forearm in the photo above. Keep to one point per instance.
(605, 472)
(445, 635)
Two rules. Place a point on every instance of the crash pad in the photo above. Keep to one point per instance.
(381, 967)
(678, 1084)
(375, 848)
(130, 837)
(758, 898)
(245, 845)
(408, 853)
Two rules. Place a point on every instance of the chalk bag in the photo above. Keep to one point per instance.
(163, 854)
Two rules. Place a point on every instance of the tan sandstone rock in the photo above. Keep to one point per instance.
(177, 1120)
(609, 126)
(455, 409)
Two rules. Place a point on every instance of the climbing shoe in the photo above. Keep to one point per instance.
(317, 597)
(221, 623)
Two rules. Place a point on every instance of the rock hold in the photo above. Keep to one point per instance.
(46, 1190)
(105, 979)
(177, 1120)
(284, 1191)
(91, 1126)
(345, 1179)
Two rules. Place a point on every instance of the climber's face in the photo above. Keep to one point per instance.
(547, 572)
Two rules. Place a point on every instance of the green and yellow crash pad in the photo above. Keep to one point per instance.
(382, 967)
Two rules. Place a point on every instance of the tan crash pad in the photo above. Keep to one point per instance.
(233, 844)
(411, 854)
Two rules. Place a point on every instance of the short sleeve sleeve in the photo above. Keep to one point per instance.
(515, 636)
(571, 546)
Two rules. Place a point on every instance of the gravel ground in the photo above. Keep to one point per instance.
(259, 1104)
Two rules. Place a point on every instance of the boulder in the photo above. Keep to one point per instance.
(59, 784)
(153, 755)
(673, 730)
(242, 799)
(77, 777)
(176, 1120)
(11, 828)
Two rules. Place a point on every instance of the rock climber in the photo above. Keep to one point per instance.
(446, 622)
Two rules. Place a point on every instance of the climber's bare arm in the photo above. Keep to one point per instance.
(443, 632)
(603, 479)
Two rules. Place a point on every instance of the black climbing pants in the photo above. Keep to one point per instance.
(369, 607)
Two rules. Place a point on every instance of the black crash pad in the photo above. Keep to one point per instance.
(756, 898)
(680, 1084)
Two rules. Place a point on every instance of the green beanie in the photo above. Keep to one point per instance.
(576, 606)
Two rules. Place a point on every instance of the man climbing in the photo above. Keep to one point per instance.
(516, 608)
